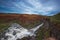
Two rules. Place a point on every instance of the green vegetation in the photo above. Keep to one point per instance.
(3, 26)
(55, 18)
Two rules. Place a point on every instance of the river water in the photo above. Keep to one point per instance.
(16, 31)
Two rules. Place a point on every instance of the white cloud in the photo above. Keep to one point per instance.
(38, 7)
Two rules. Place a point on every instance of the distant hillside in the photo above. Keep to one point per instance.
(21, 17)
(55, 18)
(25, 20)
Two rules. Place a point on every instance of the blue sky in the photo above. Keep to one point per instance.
(39, 7)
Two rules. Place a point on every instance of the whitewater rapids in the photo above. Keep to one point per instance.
(16, 31)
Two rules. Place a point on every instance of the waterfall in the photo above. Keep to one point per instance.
(16, 31)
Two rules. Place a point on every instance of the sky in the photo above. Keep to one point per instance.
(38, 7)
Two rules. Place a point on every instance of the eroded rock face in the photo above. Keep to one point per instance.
(55, 33)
